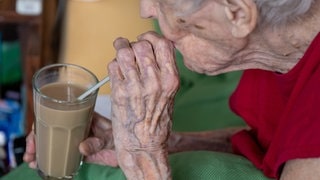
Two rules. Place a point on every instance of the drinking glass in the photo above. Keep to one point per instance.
(61, 120)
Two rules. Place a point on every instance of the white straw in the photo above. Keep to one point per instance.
(93, 88)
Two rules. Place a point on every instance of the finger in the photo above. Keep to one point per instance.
(29, 155)
(120, 43)
(164, 51)
(30, 143)
(98, 117)
(115, 73)
(104, 157)
(146, 62)
(101, 123)
(150, 34)
(165, 57)
(149, 74)
(126, 60)
(103, 130)
(91, 146)
(127, 63)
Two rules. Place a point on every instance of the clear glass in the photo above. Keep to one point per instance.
(61, 121)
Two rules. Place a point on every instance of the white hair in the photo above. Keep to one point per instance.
(277, 12)
(271, 12)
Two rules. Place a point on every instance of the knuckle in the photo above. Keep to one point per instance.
(171, 86)
(124, 53)
(164, 43)
(142, 45)
(149, 34)
(142, 49)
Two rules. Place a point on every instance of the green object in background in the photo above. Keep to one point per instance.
(10, 62)
(202, 102)
(197, 165)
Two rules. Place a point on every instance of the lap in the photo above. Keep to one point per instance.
(185, 166)
(213, 165)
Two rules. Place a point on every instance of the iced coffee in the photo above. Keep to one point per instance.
(62, 121)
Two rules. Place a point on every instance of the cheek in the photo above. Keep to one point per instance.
(170, 28)
(170, 31)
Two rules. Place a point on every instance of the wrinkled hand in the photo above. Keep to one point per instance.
(98, 148)
(144, 81)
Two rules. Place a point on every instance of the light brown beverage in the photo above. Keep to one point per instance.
(59, 130)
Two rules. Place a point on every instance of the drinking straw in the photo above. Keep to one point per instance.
(93, 88)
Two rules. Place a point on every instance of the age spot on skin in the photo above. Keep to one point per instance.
(181, 21)
(199, 27)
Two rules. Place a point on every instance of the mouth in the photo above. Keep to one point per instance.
(174, 45)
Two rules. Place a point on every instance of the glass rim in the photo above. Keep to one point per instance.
(37, 89)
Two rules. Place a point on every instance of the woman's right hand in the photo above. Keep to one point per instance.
(97, 148)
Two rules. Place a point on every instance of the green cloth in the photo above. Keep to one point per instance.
(200, 165)
(202, 102)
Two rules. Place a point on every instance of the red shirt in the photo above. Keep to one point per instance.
(283, 113)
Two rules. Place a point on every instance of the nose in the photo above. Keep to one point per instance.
(148, 8)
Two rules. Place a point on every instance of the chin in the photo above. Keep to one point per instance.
(194, 68)
(205, 71)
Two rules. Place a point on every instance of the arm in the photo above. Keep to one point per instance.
(298, 169)
(217, 140)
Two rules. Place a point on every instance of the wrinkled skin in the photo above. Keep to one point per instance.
(220, 37)
(141, 114)
(144, 80)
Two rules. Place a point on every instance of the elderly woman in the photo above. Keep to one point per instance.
(276, 42)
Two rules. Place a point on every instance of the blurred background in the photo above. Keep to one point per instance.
(90, 28)
(34, 33)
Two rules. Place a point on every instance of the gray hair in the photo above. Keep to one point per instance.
(276, 12)
(271, 12)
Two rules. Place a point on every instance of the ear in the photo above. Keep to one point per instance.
(242, 15)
